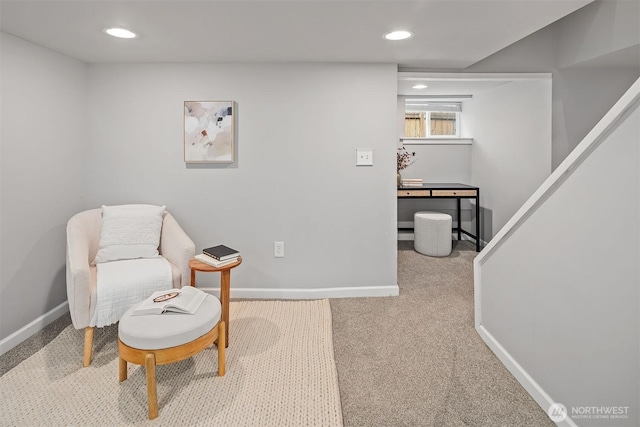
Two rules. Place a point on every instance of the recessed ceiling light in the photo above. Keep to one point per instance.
(420, 86)
(120, 33)
(398, 35)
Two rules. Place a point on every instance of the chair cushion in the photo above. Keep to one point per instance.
(129, 232)
(160, 331)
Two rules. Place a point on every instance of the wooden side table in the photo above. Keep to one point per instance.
(225, 284)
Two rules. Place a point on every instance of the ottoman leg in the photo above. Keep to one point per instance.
(122, 373)
(150, 366)
(221, 348)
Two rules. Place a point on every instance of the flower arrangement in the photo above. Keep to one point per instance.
(404, 159)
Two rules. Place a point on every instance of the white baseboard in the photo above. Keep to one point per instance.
(529, 384)
(406, 236)
(26, 331)
(317, 293)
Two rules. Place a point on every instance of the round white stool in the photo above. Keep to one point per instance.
(432, 233)
(158, 339)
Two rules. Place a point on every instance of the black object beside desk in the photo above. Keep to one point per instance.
(447, 191)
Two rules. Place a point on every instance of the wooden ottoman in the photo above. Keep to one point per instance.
(158, 339)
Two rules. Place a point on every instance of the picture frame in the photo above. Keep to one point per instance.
(209, 131)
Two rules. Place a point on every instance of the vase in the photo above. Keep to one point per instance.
(399, 180)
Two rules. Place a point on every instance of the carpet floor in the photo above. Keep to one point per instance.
(416, 359)
(411, 360)
(280, 372)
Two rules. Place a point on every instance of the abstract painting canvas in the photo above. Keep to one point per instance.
(209, 132)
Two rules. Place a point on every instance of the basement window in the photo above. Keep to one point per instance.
(428, 119)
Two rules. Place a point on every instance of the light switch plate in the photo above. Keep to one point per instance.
(364, 156)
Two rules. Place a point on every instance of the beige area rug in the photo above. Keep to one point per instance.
(280, 372)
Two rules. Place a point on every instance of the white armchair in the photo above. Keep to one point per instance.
(83, 237)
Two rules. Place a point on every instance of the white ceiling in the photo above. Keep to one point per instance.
(451, 85)
(449, 34)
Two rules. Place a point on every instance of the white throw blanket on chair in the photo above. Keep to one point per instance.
(121, 284)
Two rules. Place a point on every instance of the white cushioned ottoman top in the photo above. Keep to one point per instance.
(431, 216)
(160, 331)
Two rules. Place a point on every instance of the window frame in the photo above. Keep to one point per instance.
(427, 124)
(457, 125)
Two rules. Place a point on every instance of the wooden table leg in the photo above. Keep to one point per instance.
(222, 369)
(193, 277)
(225, 282)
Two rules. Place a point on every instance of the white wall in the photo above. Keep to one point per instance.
(508, 159)
(439, 162)
(582, 96)
(560, 298)
(597, 30)
(295, 178)
(557, 296)
(593, 56)
(434, 161)
(511, 151)
(44, 138)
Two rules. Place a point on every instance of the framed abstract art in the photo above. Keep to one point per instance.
(209, 132)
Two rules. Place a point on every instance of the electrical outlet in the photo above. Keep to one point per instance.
(278, 249)
(364, 156)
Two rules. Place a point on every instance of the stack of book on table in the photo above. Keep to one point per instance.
(412, 182)
(218, 256)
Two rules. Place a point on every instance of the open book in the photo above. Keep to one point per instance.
(184, 300)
